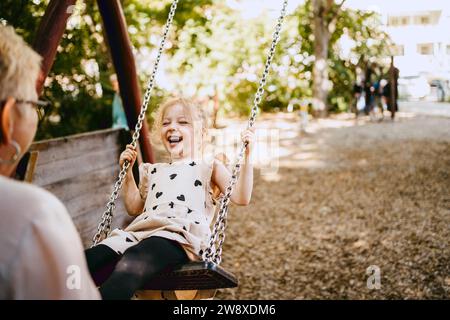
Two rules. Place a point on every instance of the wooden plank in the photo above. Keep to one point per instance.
(81, 170)
(85, 183)
(87, 223)
(64, 148)
(89, 220)
(75, 166)
(31, 166)
(89, 201)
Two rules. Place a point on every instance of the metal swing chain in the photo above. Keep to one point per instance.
(104, 226)
(214, 251)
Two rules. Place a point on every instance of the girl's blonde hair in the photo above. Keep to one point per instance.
(192, 109)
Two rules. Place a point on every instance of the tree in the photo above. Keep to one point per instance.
(212, 51)
(78, 85)
(326, 13)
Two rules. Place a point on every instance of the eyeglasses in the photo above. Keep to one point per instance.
(37, 104)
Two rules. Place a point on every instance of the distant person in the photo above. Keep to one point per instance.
(359, 100)
(383, 83)
(118, 113)
(304, 117)
(391, 98)
(368, 89)
(41, 255)
(376, 112)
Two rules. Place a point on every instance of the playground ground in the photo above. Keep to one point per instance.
(345, 196)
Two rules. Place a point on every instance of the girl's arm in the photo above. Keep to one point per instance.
(134, 204)
(243, 189)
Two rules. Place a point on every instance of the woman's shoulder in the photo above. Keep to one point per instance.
(25, 190)
(29, 199)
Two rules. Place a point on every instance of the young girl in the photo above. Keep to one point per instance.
(174, 203)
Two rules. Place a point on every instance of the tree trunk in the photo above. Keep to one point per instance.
(49, 34)
(119, 43)
(325, 15)
(322, 35)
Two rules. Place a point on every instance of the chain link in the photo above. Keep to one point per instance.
(213, 252)
(104, 227)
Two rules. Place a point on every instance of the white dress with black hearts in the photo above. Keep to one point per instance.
(178, 206)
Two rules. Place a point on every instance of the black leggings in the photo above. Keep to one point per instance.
(136, 267)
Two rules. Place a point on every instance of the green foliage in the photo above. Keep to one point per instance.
(361, 30)
(211, 50)
(75, 85)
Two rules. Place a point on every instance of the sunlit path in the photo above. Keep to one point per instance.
(348, 196)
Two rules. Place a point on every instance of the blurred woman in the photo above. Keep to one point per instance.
(41, 255)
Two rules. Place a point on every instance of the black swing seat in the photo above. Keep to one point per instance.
(200, 275)
(194, 276)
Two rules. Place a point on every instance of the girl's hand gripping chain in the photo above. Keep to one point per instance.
(248, 136)
(129, 154)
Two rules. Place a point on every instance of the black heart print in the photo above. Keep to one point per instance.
(171, 204)
(189, 210)
(153, 185)
(197, 183)
(192, 163)
(184, 228)
(180, 197)
(154, 208)
(129, 240)
(158, 194)
(197, 222)
(172, 176)
(153, 171)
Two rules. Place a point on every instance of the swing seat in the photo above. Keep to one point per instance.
(194, 276)
(190, 276)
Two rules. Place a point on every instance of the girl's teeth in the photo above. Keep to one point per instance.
(174, 139)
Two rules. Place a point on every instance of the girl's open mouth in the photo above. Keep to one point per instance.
(174, 140)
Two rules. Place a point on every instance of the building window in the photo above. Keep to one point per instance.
(398, 21)
(425, 48)
(424, 20)
(398, 50)
(393, 21)
(404, 21)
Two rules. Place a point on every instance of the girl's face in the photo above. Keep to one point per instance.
(177, 132)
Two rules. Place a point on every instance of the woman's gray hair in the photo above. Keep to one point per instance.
(19, 66)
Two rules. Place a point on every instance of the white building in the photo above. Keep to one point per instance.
(420, 30)
(422, 40)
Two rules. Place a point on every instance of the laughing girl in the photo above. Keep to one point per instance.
(173, 204)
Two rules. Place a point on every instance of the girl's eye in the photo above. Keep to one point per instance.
(184, 122)
(165, 123)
